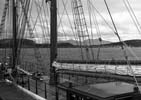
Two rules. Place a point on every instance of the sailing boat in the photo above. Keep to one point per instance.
(75, 74)
(9, 70)
(104, 90)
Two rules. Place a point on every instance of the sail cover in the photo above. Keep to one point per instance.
(115, 69)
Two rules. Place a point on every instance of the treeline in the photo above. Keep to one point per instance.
(26, 43)
(8, 43)
(131, 43)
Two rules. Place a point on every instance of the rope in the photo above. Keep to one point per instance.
(113, 30)
(22, 26)
(101, 16)
(81, 25)
(64, 4)
(89, 11)
(126, 57)
(4, 16)
(133, 16)
(36, 51)
(39, 11)
(47, 29)
(75, 24)
(97, 30)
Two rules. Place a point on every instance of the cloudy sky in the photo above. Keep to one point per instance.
(121, 16)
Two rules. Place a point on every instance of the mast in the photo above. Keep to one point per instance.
(14, 48)
(53, 39)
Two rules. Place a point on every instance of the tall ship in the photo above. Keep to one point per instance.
(48, 51)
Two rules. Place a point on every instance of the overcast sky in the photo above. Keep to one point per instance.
(120, 14)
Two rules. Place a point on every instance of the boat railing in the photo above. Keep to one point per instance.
(36, 83)
(33, 83)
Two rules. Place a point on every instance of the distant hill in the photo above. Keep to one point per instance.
(29, 43)
(65, 45)
(26, 43)
(88, 41)
(132, 43)
(72, 42)
(95, 42)
(9, 43)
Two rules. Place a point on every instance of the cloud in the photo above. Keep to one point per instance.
(122, 19)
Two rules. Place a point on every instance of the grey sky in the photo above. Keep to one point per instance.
(122, 19)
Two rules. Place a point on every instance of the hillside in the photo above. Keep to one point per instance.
(88, 41)
(26, 43)
(95, 42)
(132, 43)
(8, 43)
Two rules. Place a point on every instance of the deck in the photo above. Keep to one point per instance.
(9, 91)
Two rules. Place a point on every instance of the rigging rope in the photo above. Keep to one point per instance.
(60, 24)
(7, 31)
(4, 16)
(39, 11)
(97, 28)
(81, 27)
(47, 23)
(91, 33)
(133, 16)
(122, 46)
(64, 4)
(112, 29)
(36, 50)
(101, 16)
(69, 20)
(75, 24)
(21, 26)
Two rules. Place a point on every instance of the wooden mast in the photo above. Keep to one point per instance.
(14, 48)
(53, 39)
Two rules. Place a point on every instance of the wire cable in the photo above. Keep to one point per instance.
(122, 46)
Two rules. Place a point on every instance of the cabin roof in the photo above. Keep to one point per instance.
(105, 90)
